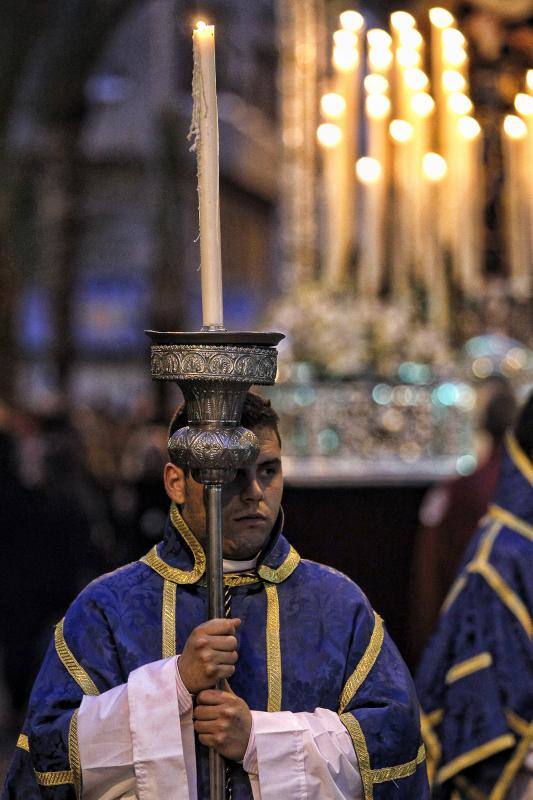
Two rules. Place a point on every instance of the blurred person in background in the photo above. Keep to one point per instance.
(450, 512)
(475, 680)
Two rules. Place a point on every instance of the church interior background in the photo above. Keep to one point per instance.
(376, 207)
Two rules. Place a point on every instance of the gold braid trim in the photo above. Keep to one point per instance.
(468, 667)
(504, 592)
(481, 557)
(474, 757)
(517, 724)
(240, 578)
(273, 649)
(520, 460)
(74, 753)
(468, 790)
(175, 574)
(512, 521)
(73, 667)
(54, 778)
(23, 742)
(168, 619)
(431, 740)
(364, 666)
(283, 571)
(359, 742)
(512, 767)
(454, 593)
(401, 771)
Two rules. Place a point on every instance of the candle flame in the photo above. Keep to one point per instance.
(345, 39)
(408, 58)
(352, 21)
(453, 81)
(376, 84)
(524, 104)
(422, 104)
(459, 103)
(201, 25)
(329, 135)
(380, 58)
(378, 106)
(455, 56)
(377, 37)
(416, 79)
(529, 80)
(514, 127)
(441, 18)
(402, 20)
(401, 130)
(332, 105)
(345, 59)
(468, 127)
(452, 38)
(368, 170)
(434, 167)
(410, 37)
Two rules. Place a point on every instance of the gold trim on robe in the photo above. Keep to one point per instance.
(73, 667)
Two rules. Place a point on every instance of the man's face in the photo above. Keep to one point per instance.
(250, 504)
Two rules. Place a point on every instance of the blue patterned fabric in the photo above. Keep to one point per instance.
(335, 654)
(475, 680)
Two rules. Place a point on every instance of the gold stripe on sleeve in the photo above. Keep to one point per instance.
(364, 666)
(168, 622)
(517, 724)
(474, 757)
(512, 767)
(54, 778)
(73, 667)
(359, 742)
(505, 593)
(74, 753)
(23, 742)
(273, 649)
(401, 771)
(468, 667)
(512, 521)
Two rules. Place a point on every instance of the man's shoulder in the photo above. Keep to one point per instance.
(112, 588)
(330, 579)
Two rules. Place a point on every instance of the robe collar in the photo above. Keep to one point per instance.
(515, 487)
(180, 558)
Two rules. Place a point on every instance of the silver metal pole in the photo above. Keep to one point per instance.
(215, 581)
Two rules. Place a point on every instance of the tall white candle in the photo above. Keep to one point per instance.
(204, 129)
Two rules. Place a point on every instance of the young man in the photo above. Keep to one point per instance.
(476, 677)
(318, 702)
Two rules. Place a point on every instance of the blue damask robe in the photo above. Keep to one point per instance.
(306, 618)
(475, 681)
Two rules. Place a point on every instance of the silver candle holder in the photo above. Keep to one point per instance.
(214, 370)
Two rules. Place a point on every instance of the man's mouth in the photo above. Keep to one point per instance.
(251, 517)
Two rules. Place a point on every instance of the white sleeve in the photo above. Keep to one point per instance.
(301, 756)
(133, 743)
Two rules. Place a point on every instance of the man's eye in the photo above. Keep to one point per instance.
(269, 470)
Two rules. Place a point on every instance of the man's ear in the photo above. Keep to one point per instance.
(174, 481)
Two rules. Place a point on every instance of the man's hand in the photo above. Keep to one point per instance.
(223, 721)
(209, 654)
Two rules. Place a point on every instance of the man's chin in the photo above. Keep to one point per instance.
(246, 544)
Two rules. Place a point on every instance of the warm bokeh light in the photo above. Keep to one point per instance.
(455, 56)
(422, 104)
(524, 104)
(380, 58)
(345, 59)
(416, 79)
(408, 58)
(468, 127)
(452, 38)
(459, 103)
(345, 39)
(402, 20)
(201, 25)
(434, 167)
(377, 37)
(332, 105)
(328, 134)
(368, 170)
(453, 81)
(514, 127)
(529, 80)
(352, 21)
(401, 130)
(410, 37)
(376, 84)
(441, 17)
(378, 106)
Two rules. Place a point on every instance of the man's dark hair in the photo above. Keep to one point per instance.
(524, 427)
(257, 412)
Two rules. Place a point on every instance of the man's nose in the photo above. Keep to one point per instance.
(252, 489)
